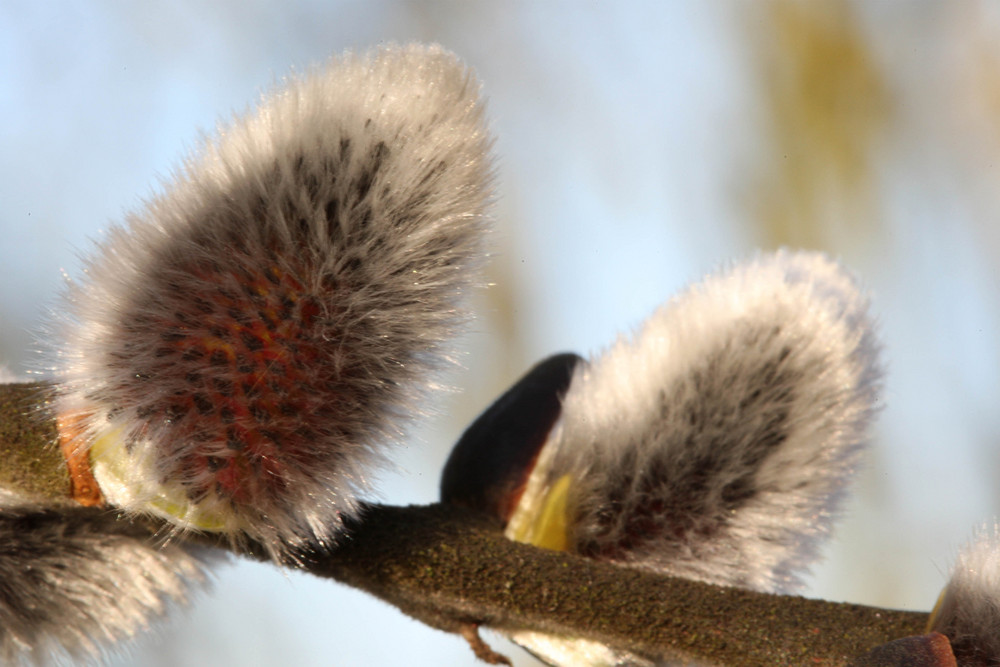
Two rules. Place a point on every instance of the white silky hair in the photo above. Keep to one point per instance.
(336, 228)
(74, 582)
(969, 610)
(715, 443)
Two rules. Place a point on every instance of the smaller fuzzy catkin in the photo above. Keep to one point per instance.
(968, 612)
(73, 582)
(239, 354)
(715, 443)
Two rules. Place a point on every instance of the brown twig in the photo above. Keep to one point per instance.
(454, 569)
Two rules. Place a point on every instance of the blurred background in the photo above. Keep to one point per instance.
(640, 145)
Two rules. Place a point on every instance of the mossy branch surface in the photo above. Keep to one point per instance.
(33, 465)
(452, 568)
(448, 567)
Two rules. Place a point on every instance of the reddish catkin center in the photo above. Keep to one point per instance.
(247, 341)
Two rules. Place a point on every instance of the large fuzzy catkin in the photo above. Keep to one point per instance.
(74, 581)
(240, 352)
(715, 443)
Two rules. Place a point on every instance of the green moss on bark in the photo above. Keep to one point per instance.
(33, 464)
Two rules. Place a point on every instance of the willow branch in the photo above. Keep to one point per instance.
(32, 464)
(447, 567)
(451, 568)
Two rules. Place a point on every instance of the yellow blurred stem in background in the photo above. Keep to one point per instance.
(826, 106)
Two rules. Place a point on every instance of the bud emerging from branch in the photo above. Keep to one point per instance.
(242, 350)
(968, 612)
(713, 445)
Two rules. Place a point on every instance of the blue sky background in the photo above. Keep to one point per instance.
(625, 134)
